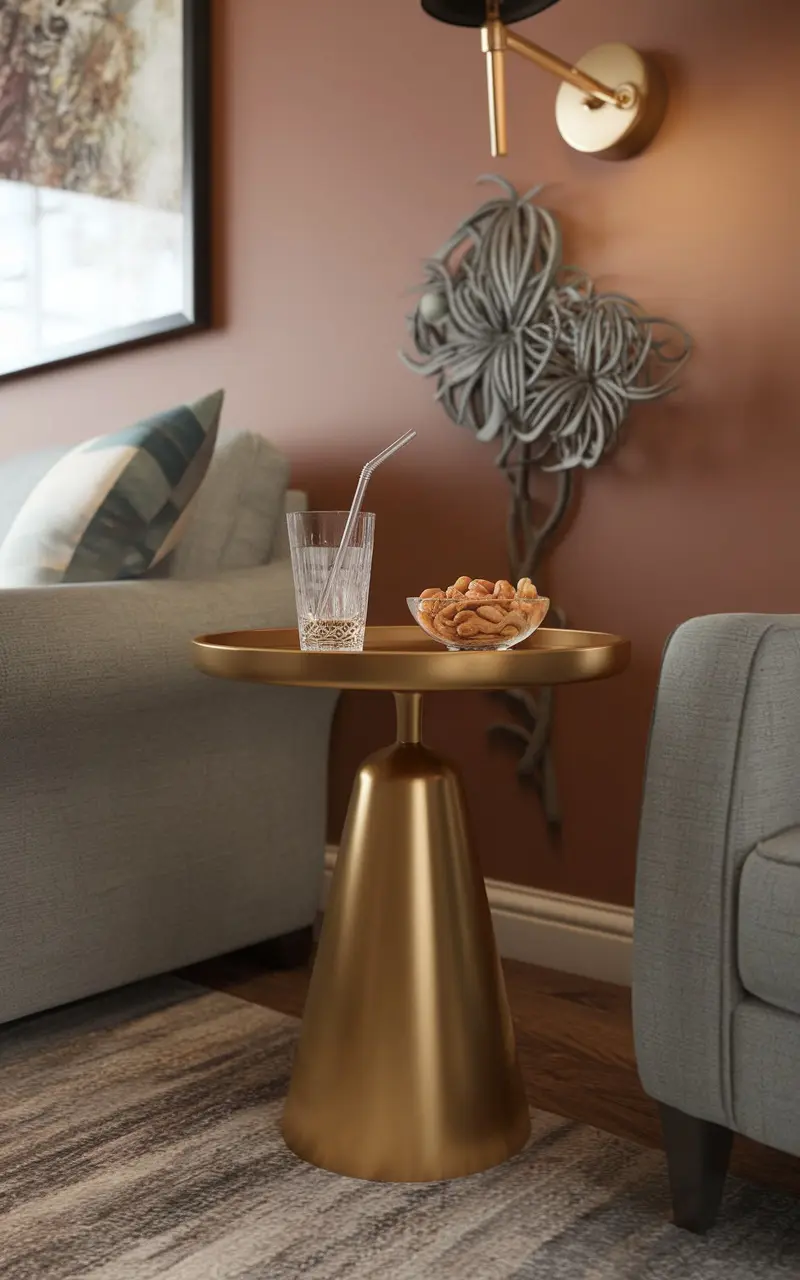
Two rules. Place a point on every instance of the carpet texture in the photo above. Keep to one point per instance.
(140, 1140)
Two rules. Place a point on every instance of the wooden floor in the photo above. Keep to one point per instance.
(575, 1044)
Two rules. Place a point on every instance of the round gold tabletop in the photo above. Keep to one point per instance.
(402, 659)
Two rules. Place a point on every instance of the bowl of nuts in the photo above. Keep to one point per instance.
(476, 613)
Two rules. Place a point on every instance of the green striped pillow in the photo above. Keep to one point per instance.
(113, 507)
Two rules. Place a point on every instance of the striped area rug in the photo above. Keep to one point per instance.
(140, 1141)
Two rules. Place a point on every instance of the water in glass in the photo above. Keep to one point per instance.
(314, 538)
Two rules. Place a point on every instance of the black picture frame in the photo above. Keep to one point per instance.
(197, 311)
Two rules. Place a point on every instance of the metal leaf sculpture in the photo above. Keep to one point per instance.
(526, 353)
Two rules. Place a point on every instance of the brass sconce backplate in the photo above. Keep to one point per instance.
(605, 130)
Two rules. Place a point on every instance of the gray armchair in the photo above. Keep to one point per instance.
(716, 992)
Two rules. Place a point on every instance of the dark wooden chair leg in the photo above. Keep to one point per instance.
(698, 1152)
(289, 951)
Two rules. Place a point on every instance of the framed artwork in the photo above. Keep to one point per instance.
(104, 176)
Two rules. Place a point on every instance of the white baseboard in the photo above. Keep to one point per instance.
(575, 935)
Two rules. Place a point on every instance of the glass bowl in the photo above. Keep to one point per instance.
(487, 623)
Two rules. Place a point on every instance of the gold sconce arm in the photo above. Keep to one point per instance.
(565, 71)
(637, 110)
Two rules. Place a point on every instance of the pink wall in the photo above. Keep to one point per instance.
(349, 138)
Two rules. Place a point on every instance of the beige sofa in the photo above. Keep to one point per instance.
(150, 816)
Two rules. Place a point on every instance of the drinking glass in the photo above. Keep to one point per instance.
(314, 538)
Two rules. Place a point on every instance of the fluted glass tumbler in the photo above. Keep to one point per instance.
(314, 538)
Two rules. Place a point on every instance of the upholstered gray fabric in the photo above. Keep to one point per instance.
(769, 922)
(723, 774)
(149, 815)
(237, 511)
(18, 478)
(766, 1075)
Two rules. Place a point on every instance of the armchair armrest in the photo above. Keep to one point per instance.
(723, 772)
(64, 647)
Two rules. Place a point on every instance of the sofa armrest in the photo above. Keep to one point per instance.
(149, 817)
(65, 648)
(723, 772)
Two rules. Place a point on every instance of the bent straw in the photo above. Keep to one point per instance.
(355, 508)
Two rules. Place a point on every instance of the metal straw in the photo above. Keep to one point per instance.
(355, 508)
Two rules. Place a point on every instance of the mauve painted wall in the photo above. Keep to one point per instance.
(349, 136)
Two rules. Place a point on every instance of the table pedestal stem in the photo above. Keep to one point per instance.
(409, 717)
(406, 1068)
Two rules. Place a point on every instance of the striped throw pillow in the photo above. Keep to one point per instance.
(113, 507)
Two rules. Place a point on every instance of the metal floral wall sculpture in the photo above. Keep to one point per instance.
(528, 355)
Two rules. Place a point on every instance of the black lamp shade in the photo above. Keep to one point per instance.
(472, 13)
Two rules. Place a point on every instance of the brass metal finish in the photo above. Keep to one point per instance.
(589, 85)
(406, 1068)
(409, 717)
(405, 659)
(610, 103)
(493, 43)
(613, 132)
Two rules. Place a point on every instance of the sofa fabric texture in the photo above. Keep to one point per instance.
(235, 519)
(717, 857)
(769, 922)
(150, 816)
(115, 506)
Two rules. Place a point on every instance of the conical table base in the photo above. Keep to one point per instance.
(406, 1069)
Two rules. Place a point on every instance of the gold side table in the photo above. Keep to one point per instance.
(406, 1069)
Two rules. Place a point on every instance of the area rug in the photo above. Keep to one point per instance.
(139, 1140)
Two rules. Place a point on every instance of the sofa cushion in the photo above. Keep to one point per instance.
(18, 478)
(234, 520)
(769, 921)
(113, 507)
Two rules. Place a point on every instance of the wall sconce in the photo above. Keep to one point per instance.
(610, 104)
